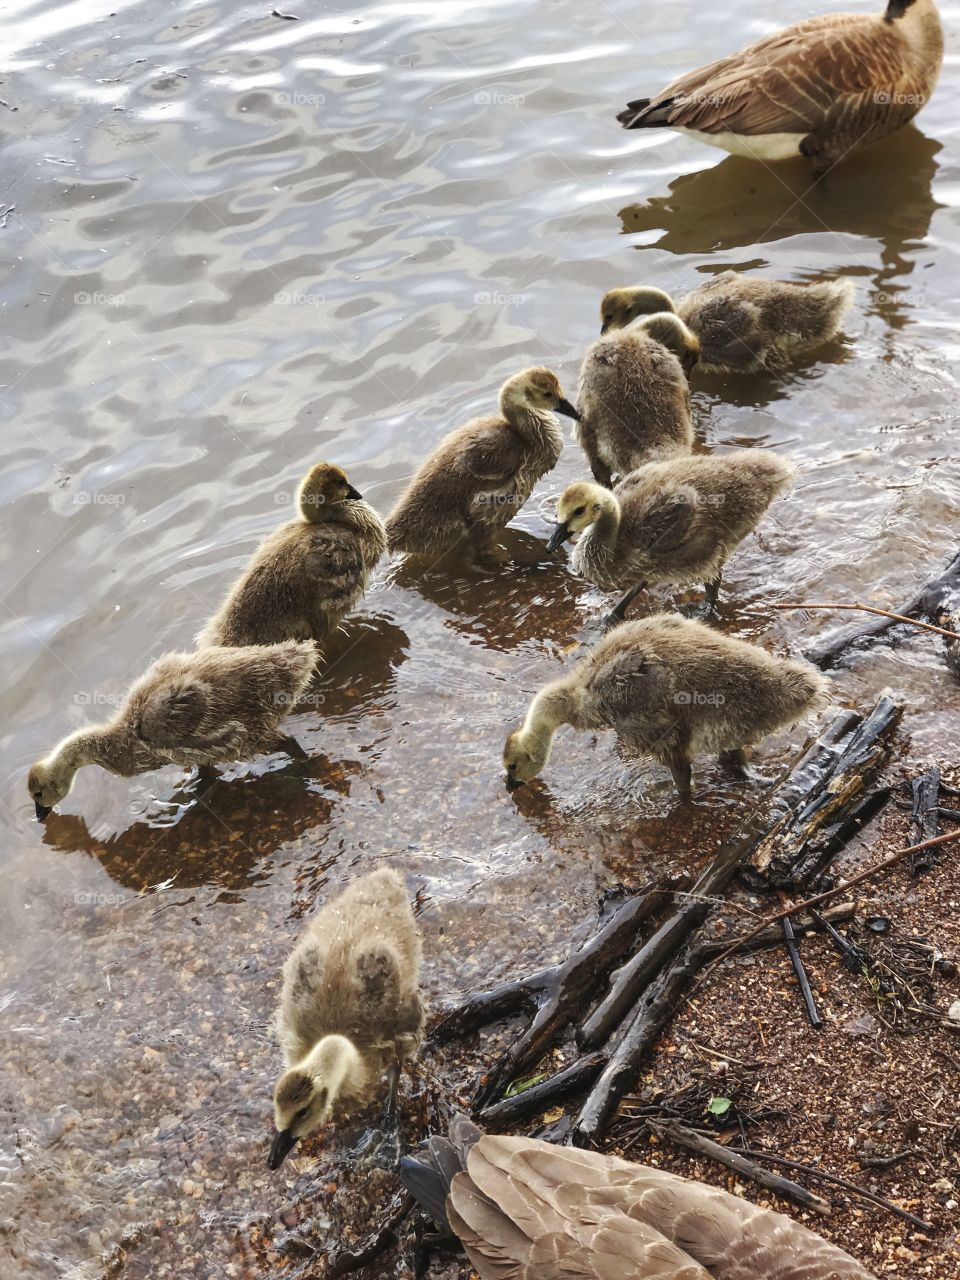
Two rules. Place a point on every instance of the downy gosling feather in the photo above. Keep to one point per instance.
(744, 324)
(480, 475)
(634, 398)
(350, 1007)
(675, 521)
(306, 576)
(672, 689)
(209, 707)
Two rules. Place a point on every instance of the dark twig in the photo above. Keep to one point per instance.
(740, 1162)
(836, 1181)
(793, 951)
(538, 1098)
(773, 937)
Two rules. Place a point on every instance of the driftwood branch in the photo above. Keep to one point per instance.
(925, 606)
(555, 995)
(833, 777)
(925, 817)
(672, 1131)
(823, 922)
(874, 609)
(793, 951)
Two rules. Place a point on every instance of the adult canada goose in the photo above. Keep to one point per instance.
(527, 1210)
(634, 399)
(480, 475)
(350, 1008)
(308, 574)
(670, 688)
(744, 324)
(675, 521)
(820, 88)
(209, 707)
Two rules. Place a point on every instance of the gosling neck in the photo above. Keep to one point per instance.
(83, 747)
(606, 528)
(535, 425)
(556, 704)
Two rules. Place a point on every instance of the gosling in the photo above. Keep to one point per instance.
(350, 1008)
(820, 89)
(524, 1208)
(744, 324)
(670, 688)
(675, 521)
(306, 576)
(210, 707)
(481, 474)
(634, 398)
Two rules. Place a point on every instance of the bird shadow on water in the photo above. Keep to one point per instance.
(741, 202)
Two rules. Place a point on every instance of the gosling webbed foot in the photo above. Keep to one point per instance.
(378, 1148)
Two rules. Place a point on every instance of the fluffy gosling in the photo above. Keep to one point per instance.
(350, 1007)
(634, 399)
(821, 88)
(744, 324)
(307, 575)
(522, 1207)
(675, 521)
(480, 475)
(210, 707)
(670, 688)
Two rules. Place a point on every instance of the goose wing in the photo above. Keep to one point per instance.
(598, 1200)
(657, 522)
(180, 716)
(519, 1216)
(790, 82)
(492, 456)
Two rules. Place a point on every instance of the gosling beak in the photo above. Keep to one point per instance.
(605, 327)
(354, 494)
(43, 811)
(561, 532)
(567, 409)
(283, 1144)
(513, 783)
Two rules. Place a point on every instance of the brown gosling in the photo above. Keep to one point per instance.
(744, 324)
(480, 475)
(671, 688)
(213, 706)
(821, 88)
(306, 576)
(350, 1008)
(675, 521)
(523, 1208)
(634, 399)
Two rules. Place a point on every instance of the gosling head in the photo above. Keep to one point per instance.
(306, 1095)
(579, 506)
(49, 781)
(323, 487)
(536, 390)
(670, 331)
(525, 755)
(621, 307)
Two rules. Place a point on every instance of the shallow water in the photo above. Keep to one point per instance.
(233, 245)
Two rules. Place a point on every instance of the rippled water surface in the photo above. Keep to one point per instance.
(232, 245)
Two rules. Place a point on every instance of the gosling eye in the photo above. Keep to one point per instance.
(579, 511)
(302, 1113)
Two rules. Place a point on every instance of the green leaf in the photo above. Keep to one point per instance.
(719, 1106)
(520, 1086)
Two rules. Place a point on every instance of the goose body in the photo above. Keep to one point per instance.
(744, 324)
(350, 1007)
(675, 521)
(209, 707)
(480, 475)
(634, 399)
(527, 1210)
(307, 575)
(820, 88)
(670, 688)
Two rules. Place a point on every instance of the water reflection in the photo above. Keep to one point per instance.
(739, 203)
